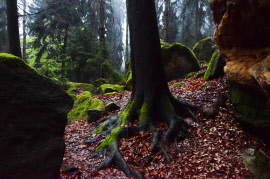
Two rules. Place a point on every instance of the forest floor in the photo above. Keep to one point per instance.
(213, 150)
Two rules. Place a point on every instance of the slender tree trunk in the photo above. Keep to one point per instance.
(24, 30)
(196, 29)
(13, 28)
(65, 43)
(102, 30)
(127, 41)
(166, 20)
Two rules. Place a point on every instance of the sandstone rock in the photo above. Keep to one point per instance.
(203, 50)
(243, 37)
(33, 113)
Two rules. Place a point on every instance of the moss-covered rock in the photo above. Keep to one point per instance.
(100, 82)
(203, 49)
(215, 67)
(252, 109)
(83, 86)
(10, 63)
(179, 61)
(33, 113)
(111, 107)
(82, 105)
(96, 110)
(257, 163)
(128, 85)
(108, 88)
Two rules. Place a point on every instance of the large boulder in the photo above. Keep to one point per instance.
(179, 60)
(203, 49)
(243, 37)
(33, 116)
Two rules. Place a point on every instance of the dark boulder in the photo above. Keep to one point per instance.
(33, 113)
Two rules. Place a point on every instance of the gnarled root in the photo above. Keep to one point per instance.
(167, 109)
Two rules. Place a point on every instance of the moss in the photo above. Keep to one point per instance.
(100, 82)
(206, 84)
(215, 67)
(108, 94)
(73, 96)
(72, 90)
(84, 86)
(185, 51)
(144, 113)
(111, 107)
(84, 104)
(108, 88)
(189, 75)
(109, 140)
(11, 63)
(179, 84)
(128, 85)
(203, 49)
(252, 109)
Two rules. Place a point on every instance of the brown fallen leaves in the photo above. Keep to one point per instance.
(213, 150)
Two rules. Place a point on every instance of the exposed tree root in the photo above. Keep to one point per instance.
(169, 110)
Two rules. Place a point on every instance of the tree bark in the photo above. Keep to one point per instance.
(102, 30)
(24, 30)
(13, 28)
(166, 20)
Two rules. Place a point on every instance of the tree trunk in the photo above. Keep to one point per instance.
(102, 30)
(166, 20)
(13, 28)
(151, 100)
(24, 30)
(197, 16)
(65, 43)
(127, 42)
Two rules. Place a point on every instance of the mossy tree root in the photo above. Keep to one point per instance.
(167, 109)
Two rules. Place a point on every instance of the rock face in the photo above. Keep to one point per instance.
(32, 121)
(243, 37)
(203, 50)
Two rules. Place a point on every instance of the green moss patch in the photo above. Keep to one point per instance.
(11, 63)
(215, 67)
(83, 86)
(82, 105)
(108, 88)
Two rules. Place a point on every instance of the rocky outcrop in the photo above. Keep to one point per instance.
(33, 117)
(243, 37)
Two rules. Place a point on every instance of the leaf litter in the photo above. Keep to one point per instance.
(212, 150)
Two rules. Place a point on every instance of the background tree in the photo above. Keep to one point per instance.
(151, 100)
(3, 27)
(13, 28)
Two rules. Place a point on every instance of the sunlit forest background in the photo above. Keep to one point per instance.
(85, 40)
